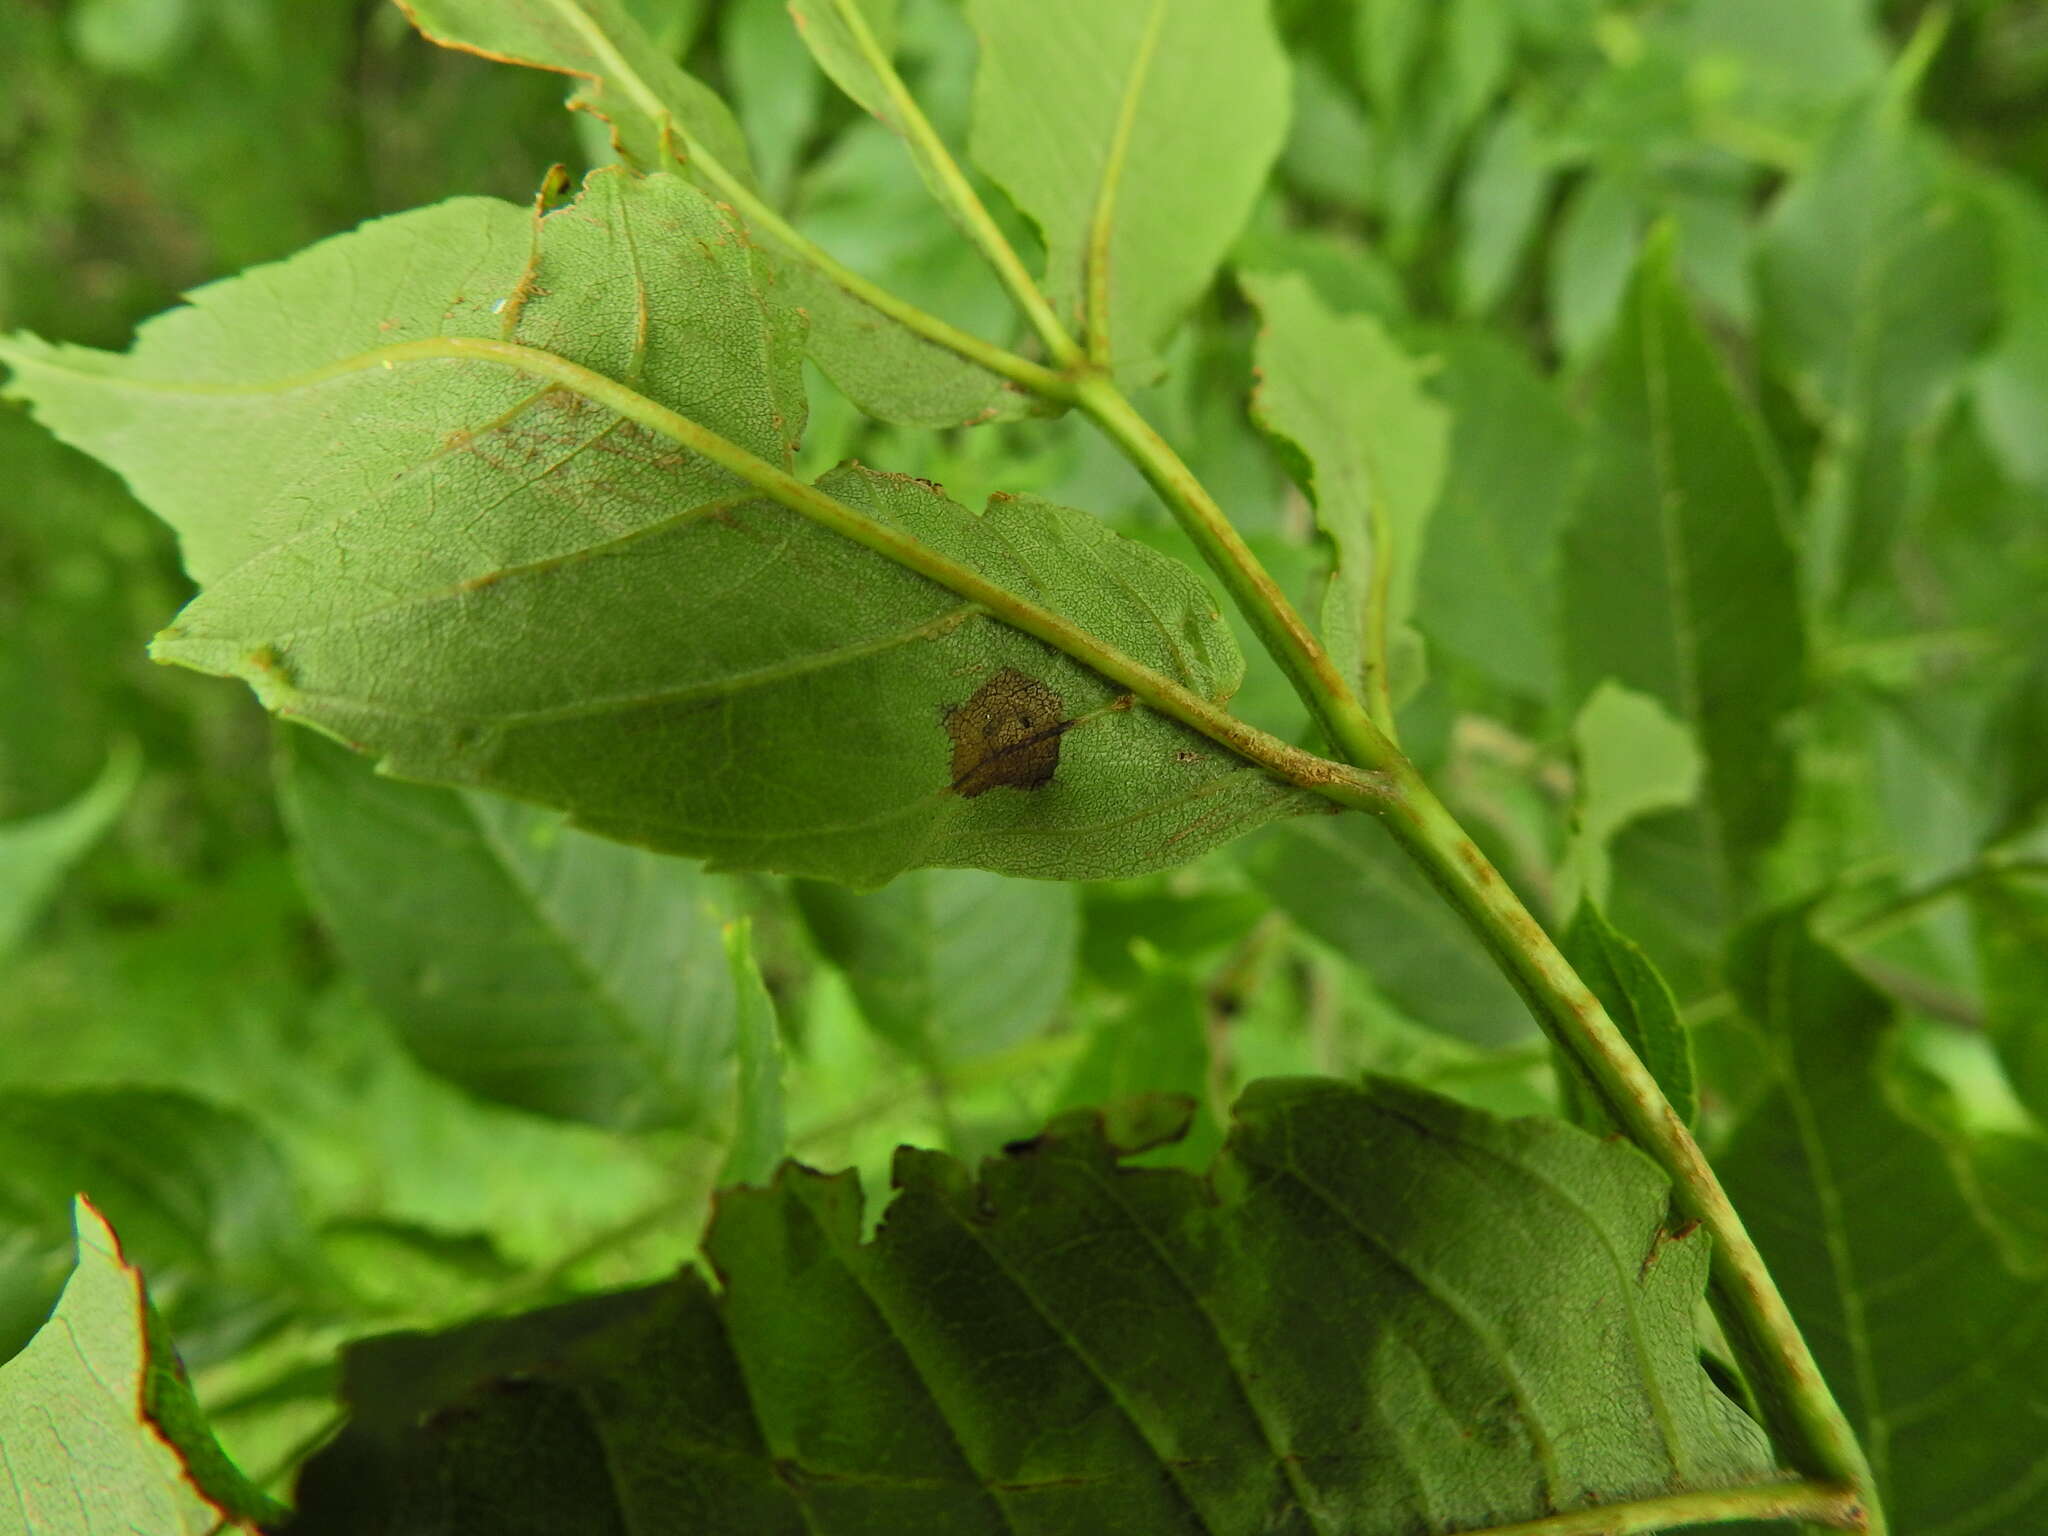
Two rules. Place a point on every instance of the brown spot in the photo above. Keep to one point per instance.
(1187, 757)
(1008, 733)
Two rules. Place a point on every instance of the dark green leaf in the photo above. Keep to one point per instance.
(36, 852)
(1930, 1343)
(1391, 1313)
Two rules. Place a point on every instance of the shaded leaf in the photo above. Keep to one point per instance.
(1367, 446)
(1155, 1046)
(1101, 120)
(949, 965)
(1464, 1344)
(436, 522)
(36, 852)
(760, 1135)
(101, 1432)
(1344, 880)
(530, 963)
(1679, 584)
(1641, 1006)
(778, 100)
(1929, 1342)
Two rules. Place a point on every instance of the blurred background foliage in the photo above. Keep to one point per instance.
(300, 1030)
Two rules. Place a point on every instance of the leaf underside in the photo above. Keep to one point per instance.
(490, 578)
(1382, 1312)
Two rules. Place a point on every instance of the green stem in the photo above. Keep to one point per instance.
(1799, 1409)
(950, 184)
(1280, 628)
(760, 217)
(1818, 1503)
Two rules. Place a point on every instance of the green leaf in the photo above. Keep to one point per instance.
(1633, 759)
(530, 963)
(1499, 204)
(1345, 881)
(1933, 1347)
(1878, 284)
(760, 1134)
(950, 964)
(1154, 1047)
(1135, 134)
(663, 118)
(1597, 245)
(778, 99)
(854, 41)
(36, 852)
(644, 97)
(1679, 584)
(1367, 446)
(2011, 919)
(2010, 383)
(1382, 1313)
(101, 1433)
(203, 1194)
(1488, 582)
(450, 520)
(1641, 1006)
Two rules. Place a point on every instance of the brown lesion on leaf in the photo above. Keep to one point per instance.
(1007, 734)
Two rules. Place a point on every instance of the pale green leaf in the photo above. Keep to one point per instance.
(1135, 134)
(433, 480)
(1489, 576)
(530, 963)
(1499, 202)
(1634, 758)
(100, 1434)
(1878, 285)
(36, 852)
(760, 1136)
(949, 965)
(1641, 1006)
(778, 98)
(1679, 584)
(1935, 1349)
(2010, 383)
(663, 118)
(1590, 261)
(1381, 1313)
(1368, 447)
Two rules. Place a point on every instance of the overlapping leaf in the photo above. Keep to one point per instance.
(1135, 133)
(662, 118)
(1679, 583)
(1383, 1313)
(421, 473)
(1934, 1347)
